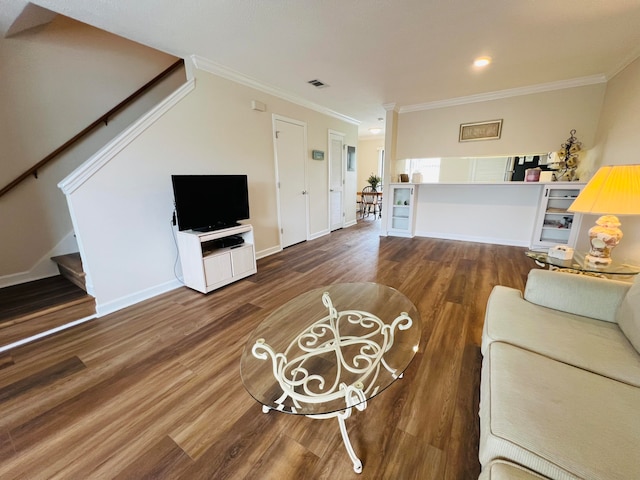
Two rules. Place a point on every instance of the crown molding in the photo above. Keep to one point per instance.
(209, 66)
(624, 64)
(511, 92)
(377, 136)
(390, 107)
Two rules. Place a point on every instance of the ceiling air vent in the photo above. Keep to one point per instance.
(317, 83)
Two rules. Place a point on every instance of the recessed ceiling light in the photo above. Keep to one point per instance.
(375, 130)
(482, 61)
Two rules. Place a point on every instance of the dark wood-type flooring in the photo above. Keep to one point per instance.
(35, 307)
(154, 391)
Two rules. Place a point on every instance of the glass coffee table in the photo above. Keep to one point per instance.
(578, 264)
(330, 350)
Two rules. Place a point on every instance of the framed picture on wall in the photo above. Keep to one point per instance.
(489, 130)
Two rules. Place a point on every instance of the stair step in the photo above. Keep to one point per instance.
(70, 267)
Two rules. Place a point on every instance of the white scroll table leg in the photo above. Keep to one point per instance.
(357, 464)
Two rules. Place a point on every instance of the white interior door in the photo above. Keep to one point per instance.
(290, 148)
(336, 181)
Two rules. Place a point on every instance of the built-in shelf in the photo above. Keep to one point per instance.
(555, 225)
(401, 218)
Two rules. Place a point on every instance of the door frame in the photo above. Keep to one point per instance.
(275, 117)
(343, 175)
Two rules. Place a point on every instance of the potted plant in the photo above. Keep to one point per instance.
(374, 181)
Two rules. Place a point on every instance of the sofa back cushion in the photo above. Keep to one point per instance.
(583, 295)
(628, 314)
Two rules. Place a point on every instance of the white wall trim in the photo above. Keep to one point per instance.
(268, 251)
(207, 65)
(129, 300)
(390, 107)
(624, 63)
(350, 223)
(472, 238)
(43, 267)
(24, 277)
(44, 334)
(85, 171)
(319, 234)
(511, 92)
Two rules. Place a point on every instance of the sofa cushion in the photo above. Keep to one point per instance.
(628, 315)
(555, 419)
(594, 345)
(502, 470)
(591, 297)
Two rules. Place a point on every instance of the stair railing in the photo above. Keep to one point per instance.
(102, 119)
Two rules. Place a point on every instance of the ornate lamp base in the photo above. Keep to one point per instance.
(603, 237)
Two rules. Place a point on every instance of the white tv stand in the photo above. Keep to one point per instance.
(206, 266)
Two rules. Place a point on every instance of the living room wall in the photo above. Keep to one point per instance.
(537, 122)
(616, 144)
(56, 80)
(122, 212)
(367, 159)
(606, 117)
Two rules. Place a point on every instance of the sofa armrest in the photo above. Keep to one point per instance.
(584, 295)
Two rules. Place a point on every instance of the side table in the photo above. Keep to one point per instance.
(579, 265)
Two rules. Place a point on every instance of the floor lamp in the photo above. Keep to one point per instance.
(613, 190)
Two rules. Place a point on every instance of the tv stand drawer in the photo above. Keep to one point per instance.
(217, 268)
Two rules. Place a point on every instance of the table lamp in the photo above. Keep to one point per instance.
(613, 190)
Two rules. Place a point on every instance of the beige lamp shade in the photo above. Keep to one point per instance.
(612, 190)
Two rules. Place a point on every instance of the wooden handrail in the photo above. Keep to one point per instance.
(104, 118)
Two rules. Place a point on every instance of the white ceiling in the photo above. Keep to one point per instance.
(377, 52)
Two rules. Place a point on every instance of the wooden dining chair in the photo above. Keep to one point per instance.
(369, 202)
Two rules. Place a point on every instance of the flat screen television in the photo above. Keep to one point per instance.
(210, 202)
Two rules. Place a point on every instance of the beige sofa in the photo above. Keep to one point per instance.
(560, 388)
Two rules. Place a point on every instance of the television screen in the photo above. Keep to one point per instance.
(210, 202)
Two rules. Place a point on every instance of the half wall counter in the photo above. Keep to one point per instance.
(503, 213)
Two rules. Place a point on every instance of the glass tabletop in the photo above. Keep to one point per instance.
(330, 348)
(579, 263)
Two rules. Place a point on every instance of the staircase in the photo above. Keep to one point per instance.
(70, 267)
(35, 307)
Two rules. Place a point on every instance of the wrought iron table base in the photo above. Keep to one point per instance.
(341, 416)
(294, 378)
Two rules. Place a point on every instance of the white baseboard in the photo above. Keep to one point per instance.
(47, 333)
(471, 238)
(44, 267)
(103, 309)
(319, 234)
(268, 251)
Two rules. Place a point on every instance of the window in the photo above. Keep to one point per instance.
(428, 167)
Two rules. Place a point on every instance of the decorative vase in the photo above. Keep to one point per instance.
(603, 237)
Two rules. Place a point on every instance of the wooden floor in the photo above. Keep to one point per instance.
(154, 391)
(29, 298)
(35, 307)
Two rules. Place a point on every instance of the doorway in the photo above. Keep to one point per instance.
(336, 180)
(290, 144)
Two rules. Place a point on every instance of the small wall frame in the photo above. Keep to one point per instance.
(489, 130)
